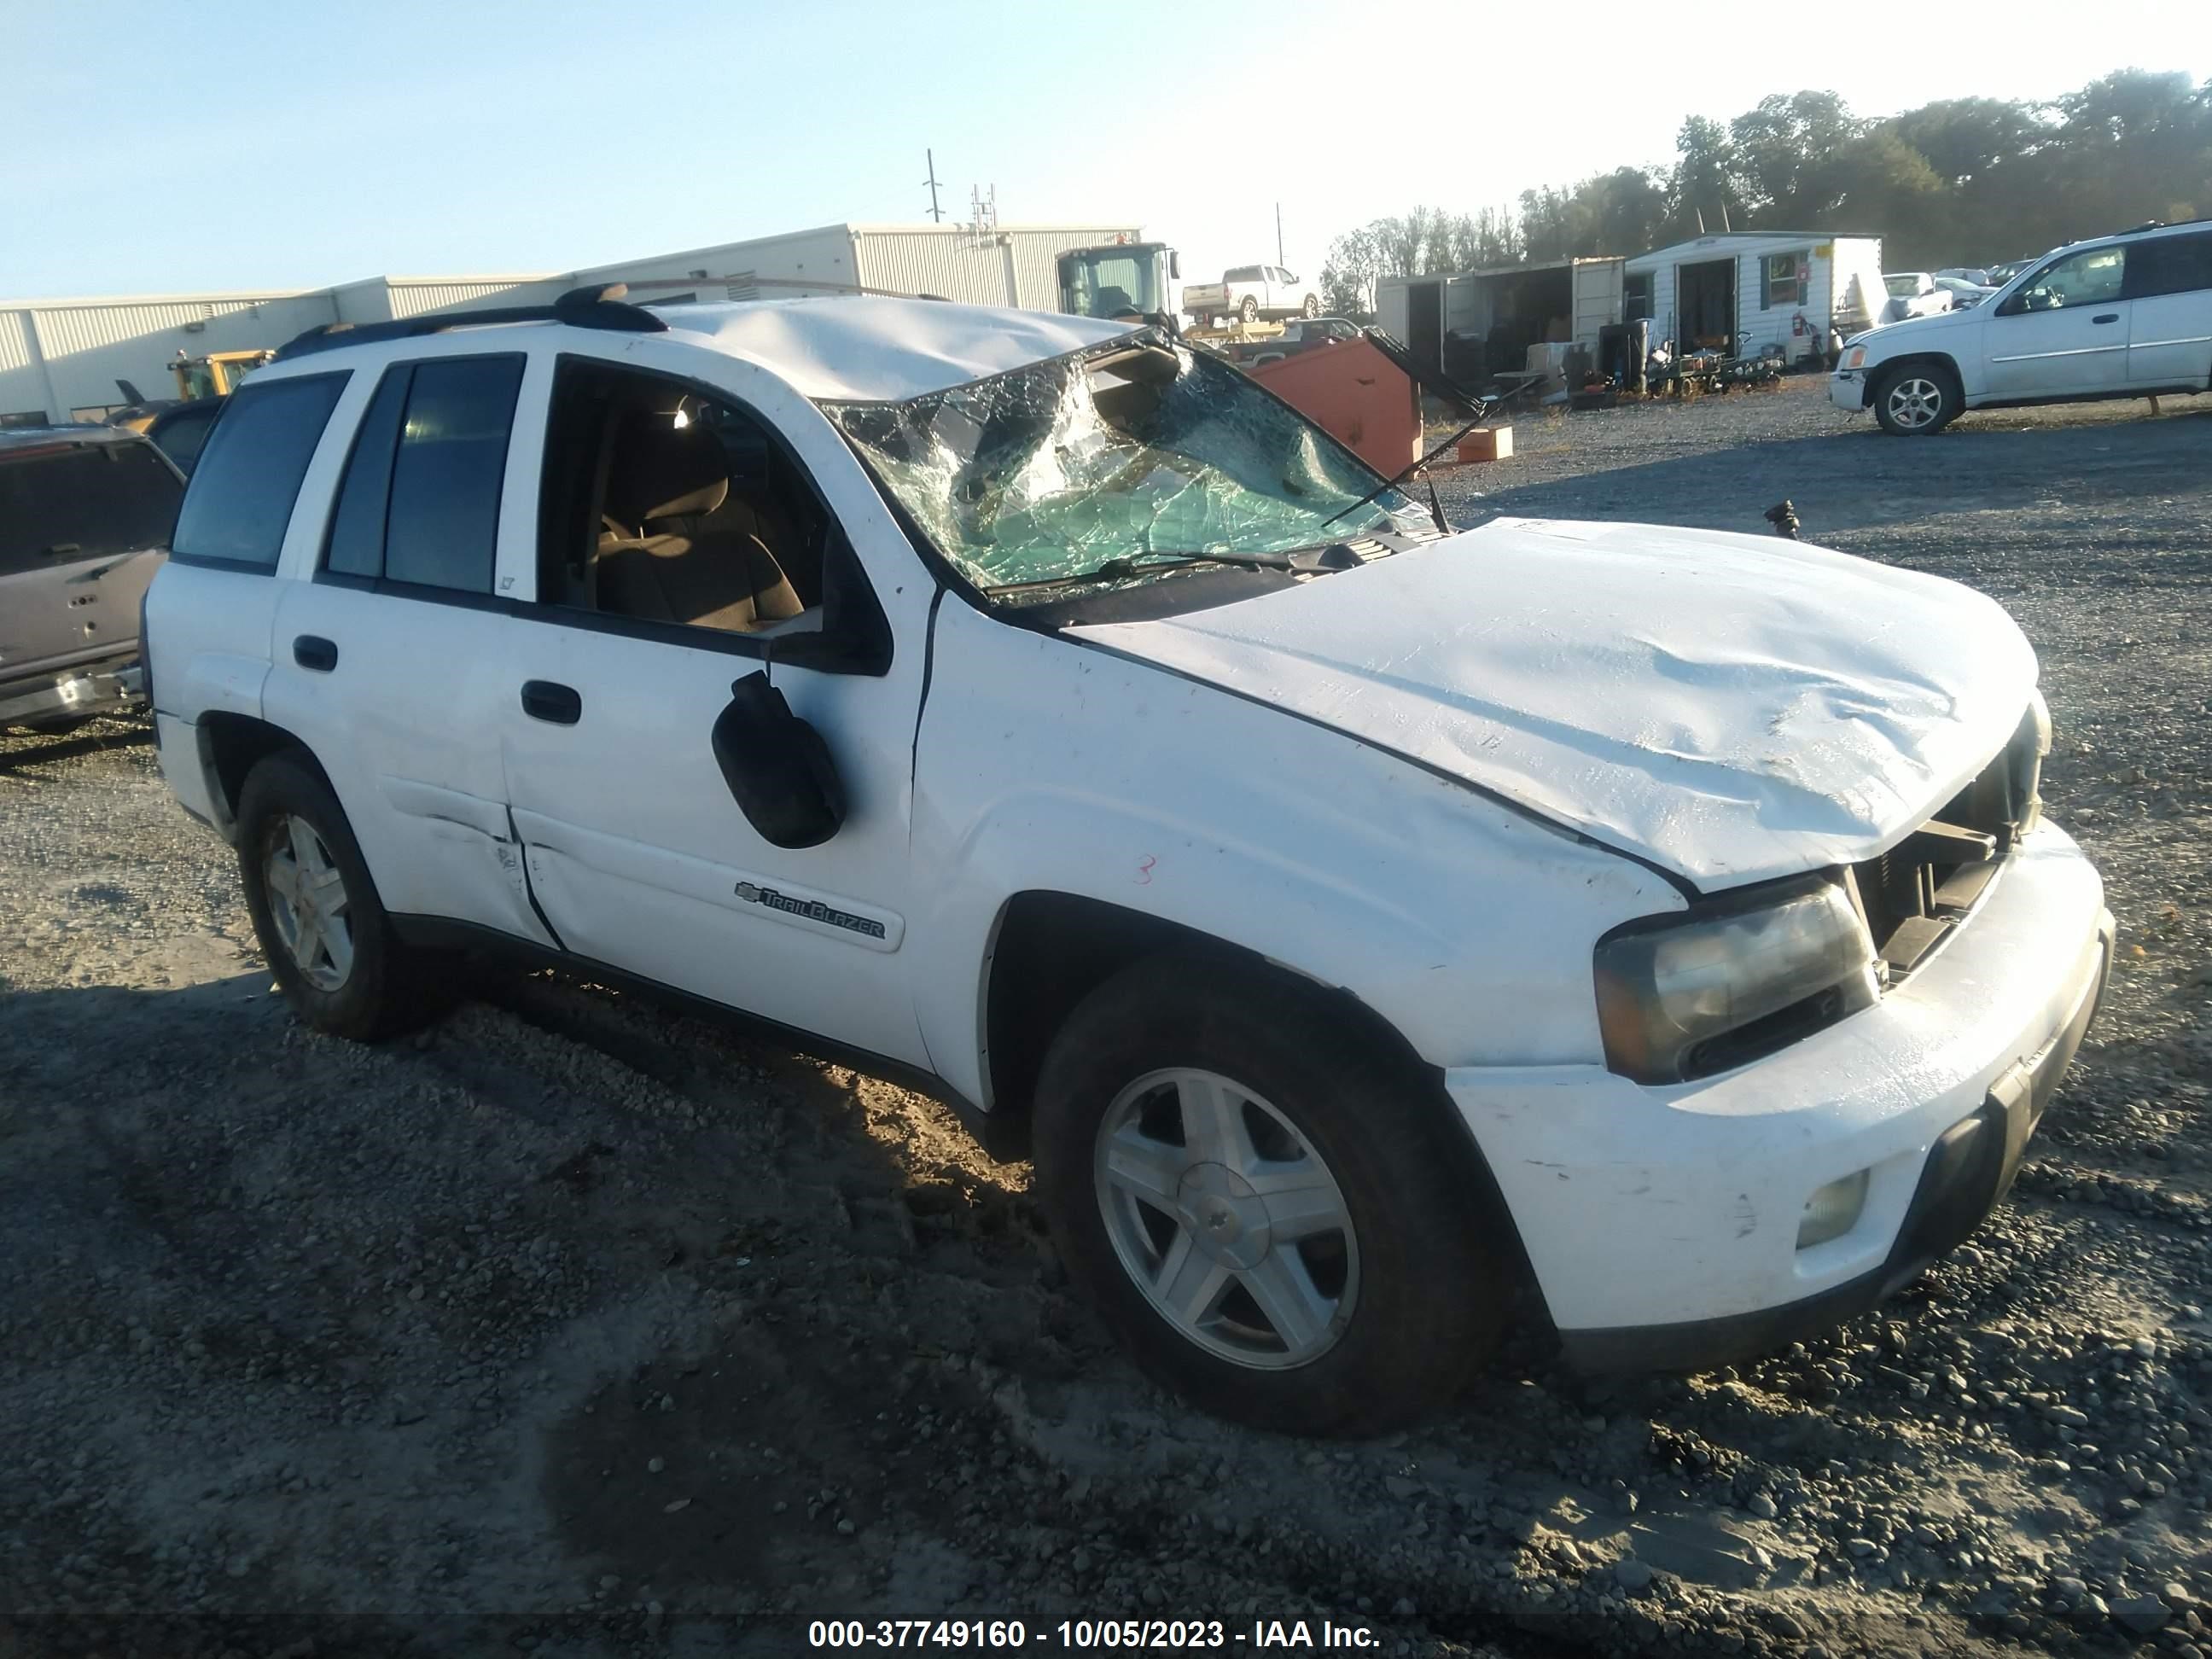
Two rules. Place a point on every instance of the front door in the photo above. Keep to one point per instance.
(694, 538)
(2065, 334)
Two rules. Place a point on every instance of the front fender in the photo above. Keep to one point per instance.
(1044, 766)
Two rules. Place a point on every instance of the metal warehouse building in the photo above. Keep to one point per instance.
(62, 358)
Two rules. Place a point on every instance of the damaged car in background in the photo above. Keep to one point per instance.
(1357, 921)
(84, 512)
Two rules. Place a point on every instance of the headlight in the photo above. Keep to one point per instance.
(1854, 358)
(1682, 997)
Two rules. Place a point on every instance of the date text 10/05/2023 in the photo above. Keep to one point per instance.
(1086, 1635)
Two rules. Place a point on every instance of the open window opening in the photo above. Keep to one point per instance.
(666, 506)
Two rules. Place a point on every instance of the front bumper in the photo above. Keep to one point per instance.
(70, 696)
(1847, 389)
(1662, 1223)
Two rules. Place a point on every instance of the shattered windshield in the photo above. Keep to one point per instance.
(1132, 450)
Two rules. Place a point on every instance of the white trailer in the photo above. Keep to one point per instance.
(1748, 290)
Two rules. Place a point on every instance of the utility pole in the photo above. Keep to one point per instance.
(936, 215)
(1279, 233)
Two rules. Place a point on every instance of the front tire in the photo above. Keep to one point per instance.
(1912, 400)
(1312, 307)
(1275, 1216)
(316, 910)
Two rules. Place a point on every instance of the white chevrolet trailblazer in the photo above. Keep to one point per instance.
(1359, 921)
(2126, 316)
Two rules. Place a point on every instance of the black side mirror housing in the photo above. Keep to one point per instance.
(777, 767)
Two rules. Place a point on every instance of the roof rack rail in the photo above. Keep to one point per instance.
(601, 306)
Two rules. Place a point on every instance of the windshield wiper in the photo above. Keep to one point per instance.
(1115, 570)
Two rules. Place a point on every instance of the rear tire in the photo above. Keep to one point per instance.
(1249, 311)
(317, 914)
(1914, 399)
(1170, 1091)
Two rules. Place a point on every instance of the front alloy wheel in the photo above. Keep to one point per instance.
(1230, 1224)
(1916, 399)
(1268, 1203)
(307, 901)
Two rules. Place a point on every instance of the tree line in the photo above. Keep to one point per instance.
(1963, 181)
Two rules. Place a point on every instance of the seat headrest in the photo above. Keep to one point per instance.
(665, 471)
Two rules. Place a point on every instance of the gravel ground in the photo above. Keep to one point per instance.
(586, 1327)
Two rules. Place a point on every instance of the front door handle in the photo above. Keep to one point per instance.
(2106, 317)
(314, 651)
(546, 700)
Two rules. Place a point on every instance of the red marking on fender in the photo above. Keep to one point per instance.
(1145, 871)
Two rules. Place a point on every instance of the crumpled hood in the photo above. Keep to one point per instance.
(1729, 708)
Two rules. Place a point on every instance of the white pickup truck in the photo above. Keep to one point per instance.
(1356, 921)
(1250, 293)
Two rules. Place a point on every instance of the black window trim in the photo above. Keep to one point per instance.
(2128, 289)
(426, 592)
(206, 562)
(815, 648)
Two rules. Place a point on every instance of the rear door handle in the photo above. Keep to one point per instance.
(546, 700)
(2106, 317)
(314, 651)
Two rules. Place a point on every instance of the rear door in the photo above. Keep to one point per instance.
(2064, 333)
(386, 657)
(81, 527)
(2169, 283)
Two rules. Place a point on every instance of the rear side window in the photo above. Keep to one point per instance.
(420, 500)
(73, 501)
(249, 471)
(2169, 265)
(1243, 274)
(181, 439)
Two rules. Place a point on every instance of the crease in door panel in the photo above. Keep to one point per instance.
(530, 891)
(921, 707)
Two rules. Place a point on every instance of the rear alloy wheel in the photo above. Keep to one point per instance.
(316, 910)
(307, 902)
(1916, 399)
(1249, 311)
(1271, 1206)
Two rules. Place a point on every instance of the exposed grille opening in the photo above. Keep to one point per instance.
(1913, 894)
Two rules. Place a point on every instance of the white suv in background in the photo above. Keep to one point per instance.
(2125, 316)
(1356, 920)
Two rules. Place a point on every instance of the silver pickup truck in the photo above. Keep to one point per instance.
(85, 512)
(1250, 293)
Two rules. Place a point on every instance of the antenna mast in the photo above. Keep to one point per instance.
(935, 213)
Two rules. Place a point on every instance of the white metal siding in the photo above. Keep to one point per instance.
(1597, 296)
(88, 345)
(22, 388)
(823, 255)
(1393, 310)
(1010, 266)
(414, 298)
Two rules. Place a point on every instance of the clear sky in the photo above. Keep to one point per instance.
(253, 144)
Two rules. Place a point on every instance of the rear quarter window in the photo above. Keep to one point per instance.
(69, 502)
(248, 477)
